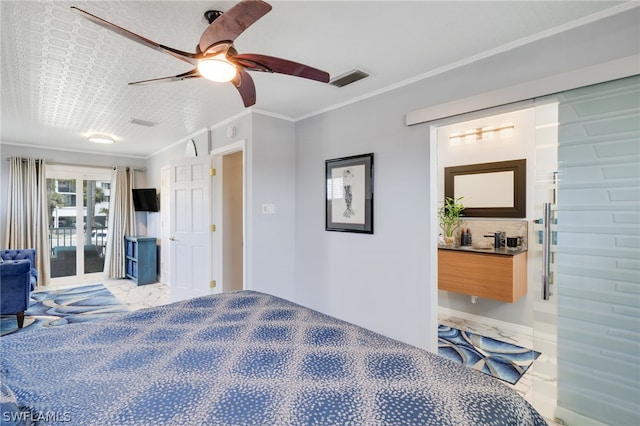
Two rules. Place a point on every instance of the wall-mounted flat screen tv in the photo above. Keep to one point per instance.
(145, 200)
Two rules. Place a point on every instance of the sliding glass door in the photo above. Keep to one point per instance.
(587, 320)
(78, 200)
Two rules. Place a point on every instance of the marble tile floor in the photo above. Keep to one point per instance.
(138, 297)
(128, 292)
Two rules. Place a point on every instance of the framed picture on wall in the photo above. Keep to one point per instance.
(349, 194)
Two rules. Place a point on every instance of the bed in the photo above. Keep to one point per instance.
(242, 358)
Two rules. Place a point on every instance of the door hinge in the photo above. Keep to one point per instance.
(212, 228)
(212, 284)
(212, 172)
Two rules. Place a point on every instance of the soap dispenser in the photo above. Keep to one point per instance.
(465, 237)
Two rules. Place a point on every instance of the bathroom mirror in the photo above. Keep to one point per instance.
(489, 189)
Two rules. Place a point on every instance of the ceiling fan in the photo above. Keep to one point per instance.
(216, 58)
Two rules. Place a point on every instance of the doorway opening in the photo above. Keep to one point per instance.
(232, 221)
(229, 213)
(471, 139)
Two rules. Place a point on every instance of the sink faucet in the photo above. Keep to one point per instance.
(498, 237)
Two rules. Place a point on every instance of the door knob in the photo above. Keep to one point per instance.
(172, 238)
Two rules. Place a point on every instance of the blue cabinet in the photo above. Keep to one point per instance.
(141, 259)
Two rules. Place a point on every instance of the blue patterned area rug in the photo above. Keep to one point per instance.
(502, 360)
(53, 308)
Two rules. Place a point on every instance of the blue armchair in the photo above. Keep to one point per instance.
(15, 288)
(30, 255)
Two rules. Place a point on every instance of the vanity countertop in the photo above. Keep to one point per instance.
(507, 251)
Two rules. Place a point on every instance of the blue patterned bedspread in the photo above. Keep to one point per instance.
(242, 358)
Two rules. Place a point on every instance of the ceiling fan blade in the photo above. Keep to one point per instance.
(190, 74)
(183, 56)
(244, 83)
(233, 22)
(266, 63)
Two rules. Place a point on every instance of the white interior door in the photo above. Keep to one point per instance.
(190, 221)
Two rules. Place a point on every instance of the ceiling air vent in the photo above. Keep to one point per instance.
(348, 78)
(144, 123)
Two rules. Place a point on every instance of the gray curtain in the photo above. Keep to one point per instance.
(121, 221)
(27, 212)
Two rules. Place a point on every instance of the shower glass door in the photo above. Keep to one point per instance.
(588, 171)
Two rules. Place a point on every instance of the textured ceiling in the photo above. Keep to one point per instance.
(65, 78)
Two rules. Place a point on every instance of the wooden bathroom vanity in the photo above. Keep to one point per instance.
(490, 274)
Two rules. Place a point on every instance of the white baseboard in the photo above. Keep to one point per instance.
(502, 325)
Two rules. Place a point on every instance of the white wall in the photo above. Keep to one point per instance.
(379, 281)
(272, 159)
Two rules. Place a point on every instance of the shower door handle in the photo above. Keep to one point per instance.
(546, 251)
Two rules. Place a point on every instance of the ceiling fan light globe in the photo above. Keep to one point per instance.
(216, 69)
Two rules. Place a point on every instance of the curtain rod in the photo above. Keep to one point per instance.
(80, 165)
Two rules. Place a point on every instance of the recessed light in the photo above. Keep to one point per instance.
(100, 139)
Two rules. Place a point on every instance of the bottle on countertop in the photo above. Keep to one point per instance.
(465, 237)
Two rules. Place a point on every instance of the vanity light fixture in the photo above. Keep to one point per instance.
(505, 130)
(100, 139)
(487, 133)
(482, 134)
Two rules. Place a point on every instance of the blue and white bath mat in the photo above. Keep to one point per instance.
(502, 360)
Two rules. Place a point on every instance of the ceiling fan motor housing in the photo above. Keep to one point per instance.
(212, 15)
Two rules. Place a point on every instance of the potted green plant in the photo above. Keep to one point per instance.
(449, 216)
